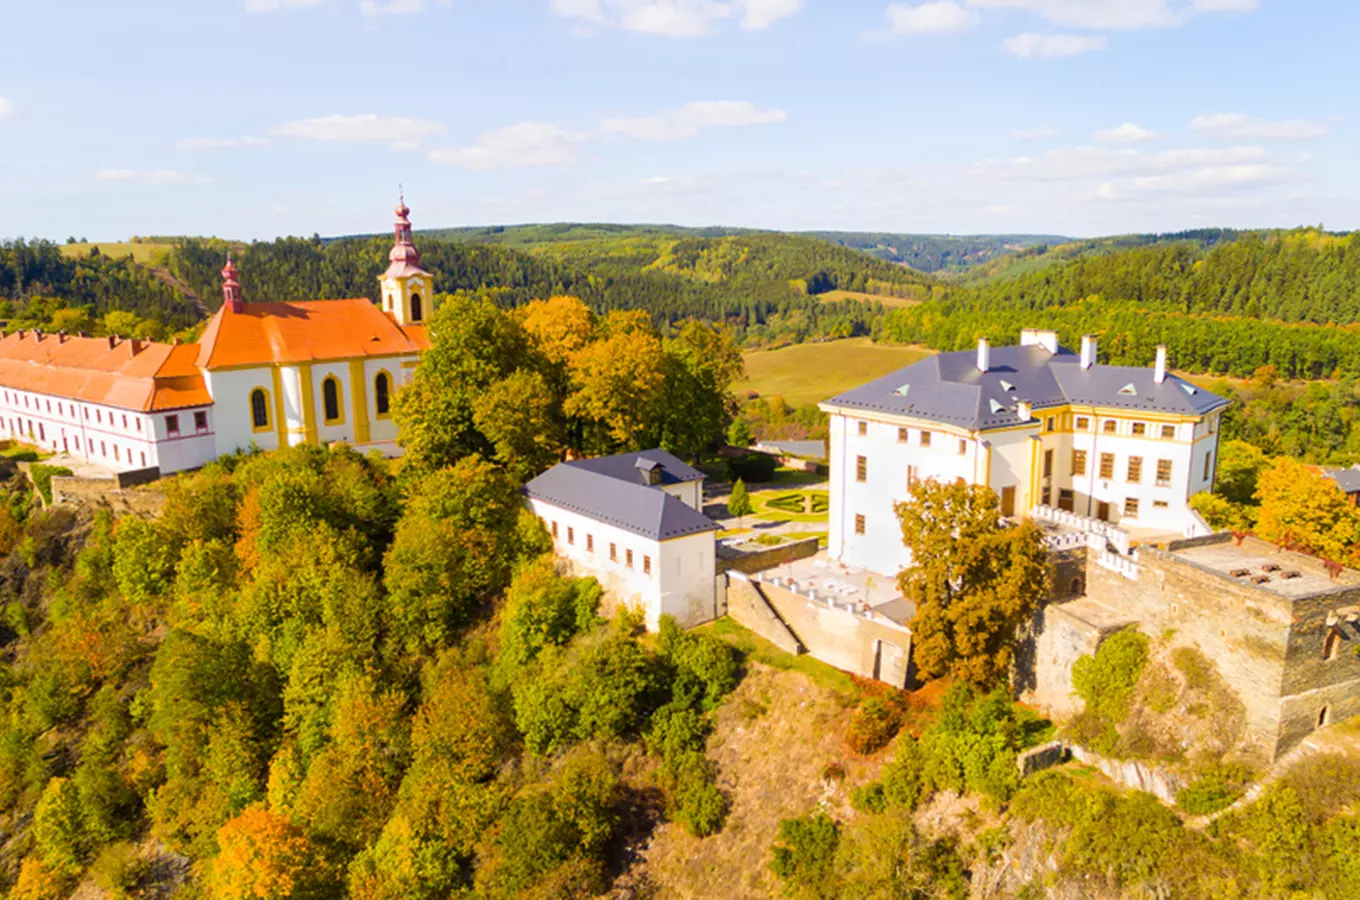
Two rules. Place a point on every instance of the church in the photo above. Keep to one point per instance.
(267, 374)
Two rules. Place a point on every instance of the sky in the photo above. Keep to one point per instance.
(256, 118)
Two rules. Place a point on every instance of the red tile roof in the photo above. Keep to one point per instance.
(304, 331)
(128, 374)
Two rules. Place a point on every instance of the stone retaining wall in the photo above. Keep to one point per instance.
(769, 558)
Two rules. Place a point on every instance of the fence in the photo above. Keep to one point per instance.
(1116, 536)
(1120, 564)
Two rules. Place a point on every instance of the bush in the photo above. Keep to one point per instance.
(755, 467)
(696, 801)
(874, 724)
(1105, 681)
(119, 870)
(1217, 787)
(42, 478)
(805, 853)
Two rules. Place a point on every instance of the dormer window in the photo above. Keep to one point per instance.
(1007, 386)
(1129, 390)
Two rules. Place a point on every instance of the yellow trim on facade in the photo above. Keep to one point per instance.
(308, 403)
(1035, 448)
(391, 392)
(280, 407)
(339, 401)
(359, 390)
(338, 359)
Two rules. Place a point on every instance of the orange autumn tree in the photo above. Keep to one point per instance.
(1302, 509)
(264, 856)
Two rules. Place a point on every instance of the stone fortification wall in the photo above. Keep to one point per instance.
(748, 606)
(1065, 632)
(760, 560)
(106, 493)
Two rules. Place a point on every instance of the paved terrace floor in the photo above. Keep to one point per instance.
(834, 581)
(1261, 560)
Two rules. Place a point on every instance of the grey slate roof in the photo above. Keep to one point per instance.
(1347, 479)
(948, 388)
(814, 450)
(625, 467)
(611, 490)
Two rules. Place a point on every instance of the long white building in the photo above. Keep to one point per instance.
(1039, 424)
(265, 374)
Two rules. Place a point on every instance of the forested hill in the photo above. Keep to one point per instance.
(939, 252)
(1286, 299)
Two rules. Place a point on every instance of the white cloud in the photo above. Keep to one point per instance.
(212, 143)
(1212, 178)
(690, 119)
(1078, 163)
(150, 176)
(258, 6)
(1118, 14)
(1128, 133)
(1239, 127)
(1052, 46)
(399, 7)
(761, 14)
(675, 18)
(1030, 134)
(402, 132)
(523, 144)
(939, 17)
(6, 108)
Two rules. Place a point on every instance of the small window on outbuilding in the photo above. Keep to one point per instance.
(1331, 647)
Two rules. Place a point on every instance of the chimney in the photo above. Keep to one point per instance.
(113, 341)
(232, 300)
(1159, 371)
(1088, 351)
(1024, 410)
(984, 355)
(138, 344)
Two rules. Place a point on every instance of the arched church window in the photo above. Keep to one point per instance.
(382, 393)
(259, 409)
(330, 399)
(416, 312)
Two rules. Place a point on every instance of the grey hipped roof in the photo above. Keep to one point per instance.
(611, 490)
(948, 388)
(631, 466)
(1347, 479)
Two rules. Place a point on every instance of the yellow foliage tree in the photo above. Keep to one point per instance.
(559, 326)
(39, 881)
(264, 856)
(619, 384)
(1301, 509)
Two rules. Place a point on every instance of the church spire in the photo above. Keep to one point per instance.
(231, 288)
(406, 287)
(404, 252)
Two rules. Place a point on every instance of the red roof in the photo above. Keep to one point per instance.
(304, 331)
(128, 374)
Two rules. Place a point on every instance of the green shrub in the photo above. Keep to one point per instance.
(42, 478)
(696, 801)
(59, 827)
(751, 467)
(120, 870)
(805, 853)
(1216, 787)
(1105, 681)
(676, 730)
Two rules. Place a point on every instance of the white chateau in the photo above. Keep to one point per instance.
(267, 374)
(1039, 424)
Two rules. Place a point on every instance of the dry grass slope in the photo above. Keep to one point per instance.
(809, 373)
(889, 302)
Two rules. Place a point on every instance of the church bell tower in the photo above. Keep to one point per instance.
(407, 289)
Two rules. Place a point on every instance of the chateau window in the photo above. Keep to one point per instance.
(1131, 507)
(1139, 429)
(143, 459)
(330, 400)
(590, 543)
(116, 457)
(103, 450)
(99, 416)
(1048, 464)
(1050, 424)
(1168, 432)
(417, 311)
(42, 432)
(200, 421)
(613, 552)
(259, 409)
(863, 428)
(49, 405)
(139, 425)
(861, 469)
(1110, 426)
(554, 529)
(628, 558)
(963, 447)
(1066, 500)
(571, 535)
(912, 477)
(1160, 504)
(902, 435)
(1078, 462)
(1208, 465)
(124, 422)
(646, 565)
(1213, 424)
(172, 426)
(859, 524)
(1107, 465)
(382, 391)
(1163, 473)
(1046, 496)
(1135, 474)
(925, 438)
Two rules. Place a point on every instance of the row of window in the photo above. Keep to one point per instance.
(924, 437)
(332, 402)
(39, 434)
(1083, 423)
(613, 548)
(200, 424)
(69, 409)
(1133, 471)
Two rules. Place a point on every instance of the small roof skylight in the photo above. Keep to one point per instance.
(996, 407)
(1189, 388)
(1007, 386)
(1129, 390)
(902, 391)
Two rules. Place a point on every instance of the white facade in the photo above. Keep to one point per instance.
(674, 577)
(1137, 469)
(118, 439)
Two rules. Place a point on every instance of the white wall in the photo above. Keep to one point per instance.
(231, 389)
(681, 580)
(689, 492)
